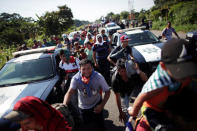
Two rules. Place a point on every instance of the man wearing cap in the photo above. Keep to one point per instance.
(123, 51)
(175, 71)
(125, 85)
(35, 114)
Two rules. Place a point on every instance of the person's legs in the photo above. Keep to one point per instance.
(100, 121)
(92, 120)
(86, 115)
(104, 69)
(125, 105)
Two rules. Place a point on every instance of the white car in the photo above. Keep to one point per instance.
(111, 28)
(30, 73)
(146, 47)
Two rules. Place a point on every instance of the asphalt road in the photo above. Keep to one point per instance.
(111, 112)
(111, 115)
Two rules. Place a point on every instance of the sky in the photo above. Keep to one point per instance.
(82, 9)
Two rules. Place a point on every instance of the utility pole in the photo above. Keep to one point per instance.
(131, 9)
(131, 12)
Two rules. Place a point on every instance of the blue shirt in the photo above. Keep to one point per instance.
(89, 96)
(102, 51)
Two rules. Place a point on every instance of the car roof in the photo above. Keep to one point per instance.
(30, 57)
(34, 54)
(111, 23)
(134, 32)
(131, 29)
(33, 51)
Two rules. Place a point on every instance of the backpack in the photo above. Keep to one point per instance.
(64, 110)
(70, 114)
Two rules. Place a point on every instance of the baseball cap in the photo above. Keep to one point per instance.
(179, 59)
(16, 116)
(124, 38)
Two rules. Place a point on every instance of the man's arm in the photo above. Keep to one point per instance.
(122, 115)
(100, 107)
(142, 75)
(116, 53)
(110, 60)
(68, 95)
(140, 99)
(94, 58)
(176, 34)
(164, 33)
(131, 56)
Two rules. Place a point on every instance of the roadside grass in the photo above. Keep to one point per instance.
(160, 25)
(6, 51)
(6, 54)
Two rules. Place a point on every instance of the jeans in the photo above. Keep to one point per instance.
(125, 105)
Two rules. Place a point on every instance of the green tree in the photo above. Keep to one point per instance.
(79, 23)
(56, 22)
(124, 15)
(14, 29)
(116, 17)
(109, 16)
(142, 14)
(65, 17)
(154, 15)
(184, 13)
(137, 15)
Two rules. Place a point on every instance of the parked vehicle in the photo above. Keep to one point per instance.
(111, 28)
(146, 47)
(31, 73)
(192, 38)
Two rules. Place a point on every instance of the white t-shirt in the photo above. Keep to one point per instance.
(69, 67)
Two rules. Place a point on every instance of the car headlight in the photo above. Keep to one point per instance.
(190, 35)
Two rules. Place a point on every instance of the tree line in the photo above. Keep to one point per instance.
(16, 30)
(179, 12)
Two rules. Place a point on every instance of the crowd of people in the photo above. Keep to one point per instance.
(86, 60)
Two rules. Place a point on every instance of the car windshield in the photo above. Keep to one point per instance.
(144, 37)
(26, 71)
(111, 25)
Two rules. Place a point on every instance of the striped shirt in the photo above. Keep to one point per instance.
(159, 79)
